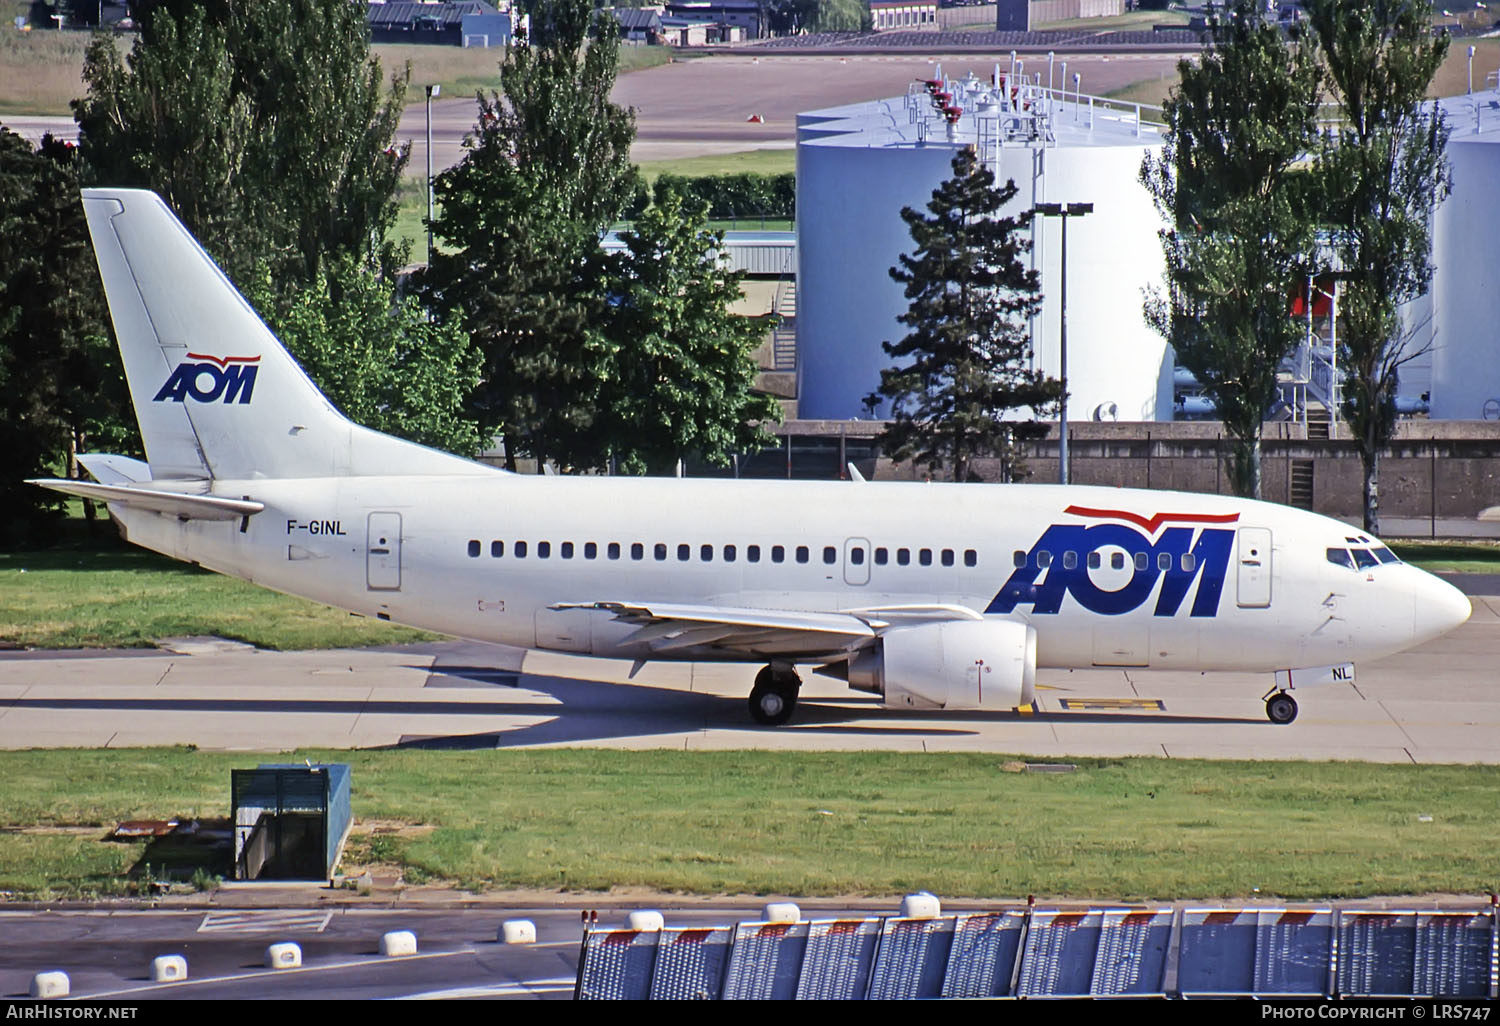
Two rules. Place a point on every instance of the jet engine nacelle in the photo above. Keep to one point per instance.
(957, 664)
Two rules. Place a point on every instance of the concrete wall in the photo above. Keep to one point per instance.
(1435, 478)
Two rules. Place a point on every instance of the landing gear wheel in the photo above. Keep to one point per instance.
(774, 697)
(1281, 708)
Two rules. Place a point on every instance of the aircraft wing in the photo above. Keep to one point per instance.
(663, 628)
(178, 504)
(760, 633)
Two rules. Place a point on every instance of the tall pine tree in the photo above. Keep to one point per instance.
(972, 300)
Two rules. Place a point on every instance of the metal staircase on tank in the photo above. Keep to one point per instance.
(784, 335)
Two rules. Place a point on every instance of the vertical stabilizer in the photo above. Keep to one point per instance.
(215, 392)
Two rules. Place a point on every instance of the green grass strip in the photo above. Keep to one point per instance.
(866, 823)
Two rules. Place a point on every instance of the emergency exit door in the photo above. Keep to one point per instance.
(1254, 559)
(383, 552)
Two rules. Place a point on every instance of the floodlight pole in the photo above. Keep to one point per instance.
(1064, 211)
(432, 90)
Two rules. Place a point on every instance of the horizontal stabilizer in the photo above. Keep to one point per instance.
(115, 470)
(176, 504)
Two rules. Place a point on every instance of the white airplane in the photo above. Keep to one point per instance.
(929, 595)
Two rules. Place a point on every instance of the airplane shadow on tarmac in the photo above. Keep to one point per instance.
(592, 710)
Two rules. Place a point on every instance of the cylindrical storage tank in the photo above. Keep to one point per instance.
(1466, 279)
(857, 171)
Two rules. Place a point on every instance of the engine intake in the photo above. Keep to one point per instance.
(957, 664)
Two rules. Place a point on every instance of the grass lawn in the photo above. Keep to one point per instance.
(102, 593)
(762, 161)
(1450, 556)
(803, 823)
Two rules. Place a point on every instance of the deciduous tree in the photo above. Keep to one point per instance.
(377, 357)
(972, 299)
(682, 376)
(265, 125)
(1381, 172)
(1231, 185)
(61, 386)
(546, 171)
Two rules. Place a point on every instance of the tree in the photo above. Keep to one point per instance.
(682, 376)
(971, 303)
(1230, 183)
(546, 171)
(379, 359)
(264, 125)
(62, 389)
(1382, 172)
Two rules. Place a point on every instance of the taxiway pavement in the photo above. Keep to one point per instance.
(1439, 703)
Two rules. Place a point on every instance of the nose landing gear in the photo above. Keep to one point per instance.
(1281, 708)
(774, 697)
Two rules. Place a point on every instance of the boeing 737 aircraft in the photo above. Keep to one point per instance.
(929, 595)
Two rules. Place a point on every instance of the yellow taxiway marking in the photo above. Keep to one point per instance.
(1113, 703)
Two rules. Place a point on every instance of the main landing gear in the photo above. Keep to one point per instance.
(774, 697)
(1281, 708)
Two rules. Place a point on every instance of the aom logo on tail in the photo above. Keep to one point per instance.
(1113, 567)
(211, 379)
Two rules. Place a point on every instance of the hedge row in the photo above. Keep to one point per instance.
(729, 196)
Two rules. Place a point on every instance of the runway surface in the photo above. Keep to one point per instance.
(701, 107)
(1439, 703)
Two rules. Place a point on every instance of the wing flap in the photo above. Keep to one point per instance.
(669, 627)
(176, 504)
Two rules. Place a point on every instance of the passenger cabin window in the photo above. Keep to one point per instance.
(903, 557)
(1188, 562)
(590, 550)
(684, 553)
(971, 558)
(543, 550)
(1096, 560)
(660, 551)
(519, 548)
(567, 550)
(497, 549)
(1018, 559)
(613, 551)
(778, 554)
(706, 553)
(830, 555)
(925, 557)
(1070, 560)
(1043, 559)
(1163, 561)
(730, 553)
(857, 556)
(882, 556)
(752, 553)
(1117, 561)
(1142, 561)
(947, 557)
(474, 547)
(802, 554)
(637, 550)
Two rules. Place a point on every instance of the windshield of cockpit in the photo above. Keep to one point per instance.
(1360, 553)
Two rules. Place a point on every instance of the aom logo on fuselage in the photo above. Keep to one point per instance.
(1114, 567)
(211, 379)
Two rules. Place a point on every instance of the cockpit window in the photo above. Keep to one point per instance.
(1340, 557)
(1385, 555)
(1364, 558)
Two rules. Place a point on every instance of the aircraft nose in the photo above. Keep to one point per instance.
(1438, 608)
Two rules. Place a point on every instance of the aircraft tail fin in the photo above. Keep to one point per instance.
(215, 392)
